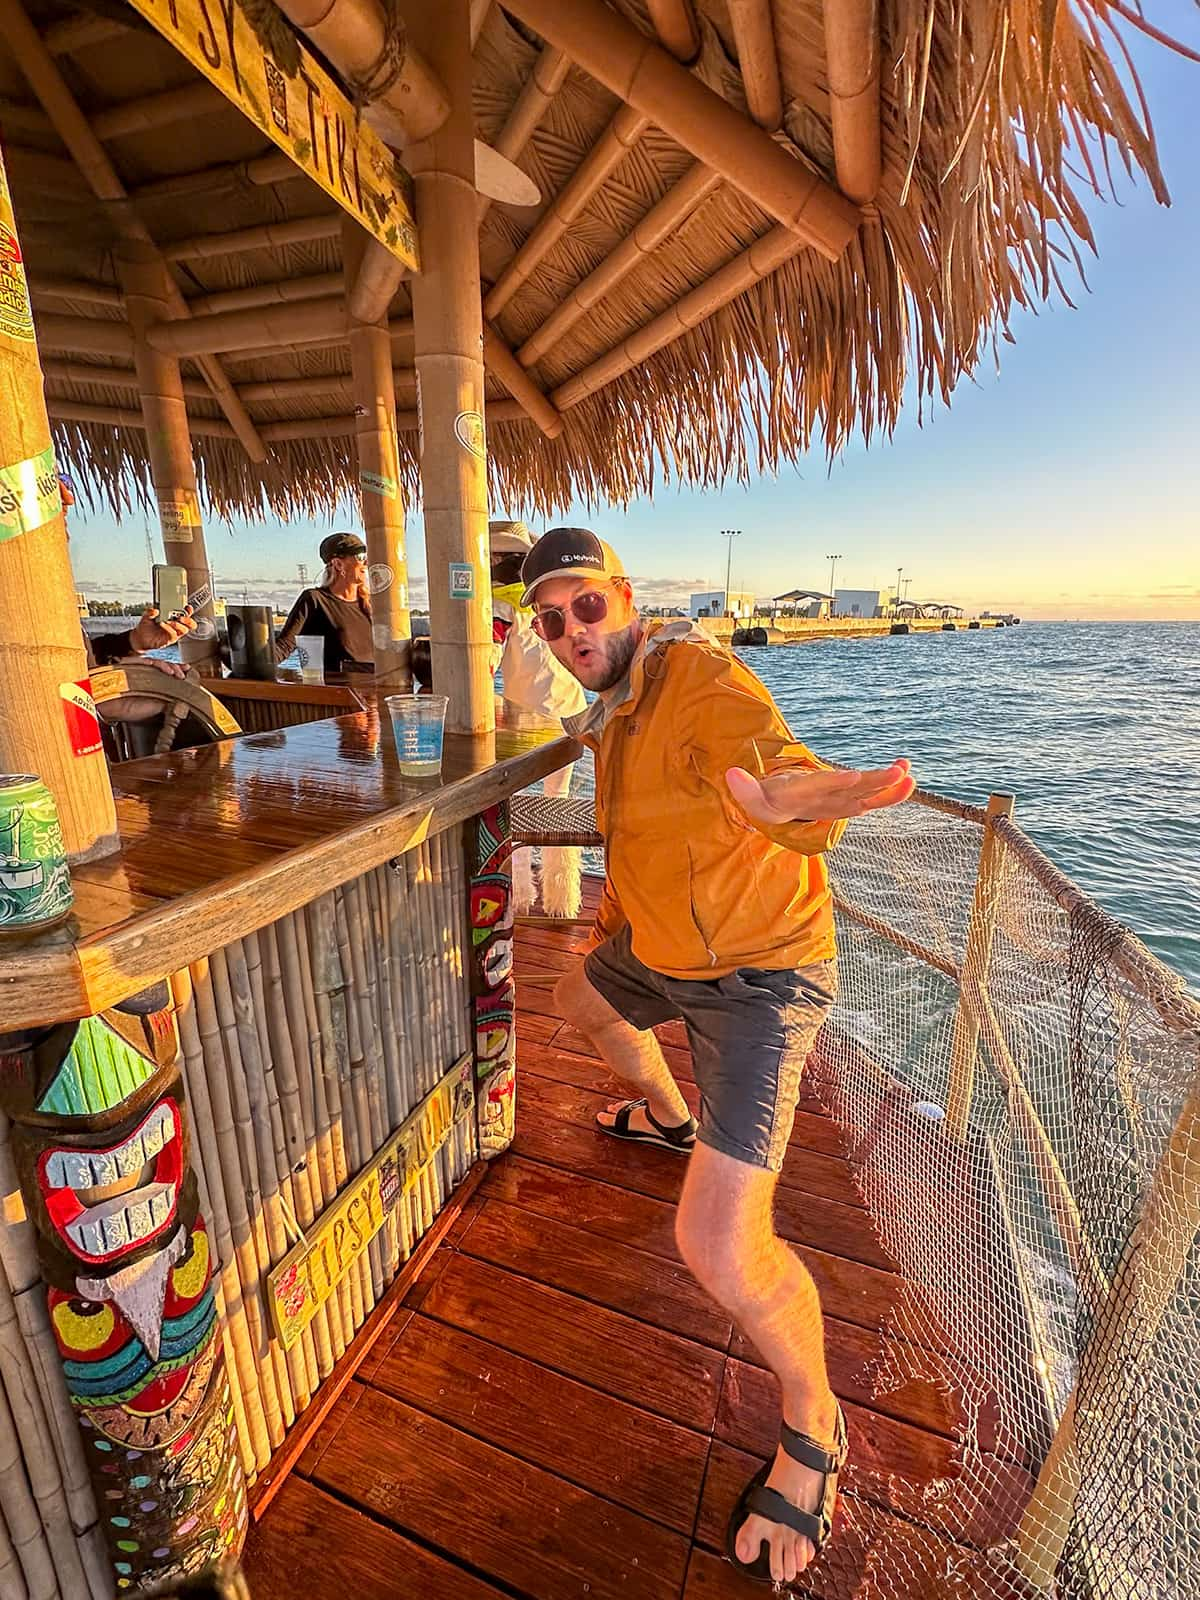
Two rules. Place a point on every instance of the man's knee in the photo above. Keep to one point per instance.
(715, 1251)
(580, 1003)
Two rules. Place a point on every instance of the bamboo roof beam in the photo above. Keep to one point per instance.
(658, 224)
(610, 149)
(16, 117)
(852, 57)
(536, 96)
(117, 417)
(75, 34)
(77, 292)
(645, 76)
(502, 364)
(675, 24)
(269, 236)
(285, 291)
(113, 378)
(46, 174)
(263, 328)
(50, 87)
(353, 36)
(376, 283)
(758, 58)
(85, 336)
(261, 171)
(158, 110)
(746, 269)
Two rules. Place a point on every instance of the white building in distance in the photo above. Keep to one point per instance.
(712, 603)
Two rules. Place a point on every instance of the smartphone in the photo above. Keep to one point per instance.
(170, 590)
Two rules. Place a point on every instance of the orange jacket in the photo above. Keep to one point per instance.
(705, 890)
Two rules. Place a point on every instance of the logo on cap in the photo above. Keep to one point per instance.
(579, 556)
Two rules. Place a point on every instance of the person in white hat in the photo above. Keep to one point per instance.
(535, 687)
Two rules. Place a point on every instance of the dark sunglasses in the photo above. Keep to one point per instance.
(551, 622)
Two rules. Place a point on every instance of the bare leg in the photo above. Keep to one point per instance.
(634, 1056)
(726, 1235)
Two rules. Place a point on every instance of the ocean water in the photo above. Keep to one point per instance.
(1094, 727)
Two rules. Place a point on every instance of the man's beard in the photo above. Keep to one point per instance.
(619, 651)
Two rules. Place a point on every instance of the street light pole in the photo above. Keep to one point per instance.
(731, 534)
(896, 606)
(833, 561)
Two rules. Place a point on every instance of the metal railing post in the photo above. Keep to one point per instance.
(964, 1042)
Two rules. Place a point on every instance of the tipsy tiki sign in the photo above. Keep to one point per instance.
(100, 1139)
(491, 919)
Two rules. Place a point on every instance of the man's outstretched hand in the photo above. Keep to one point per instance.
(818, 796)
(155, 633)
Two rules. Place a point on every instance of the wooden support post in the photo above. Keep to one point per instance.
(148, 297)
(964, 1042)
(41, 645)
(448, 328)
(379, 479)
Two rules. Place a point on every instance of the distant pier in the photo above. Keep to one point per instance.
(799, 630)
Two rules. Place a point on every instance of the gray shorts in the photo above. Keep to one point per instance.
(750, 1034)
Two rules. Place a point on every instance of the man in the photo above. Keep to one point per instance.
(150, 633)
(338, 610)
(716, 909)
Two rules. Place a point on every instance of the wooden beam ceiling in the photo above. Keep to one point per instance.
(852, 54)
(758, 59)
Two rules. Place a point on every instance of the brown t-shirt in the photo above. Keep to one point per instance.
(345, 626)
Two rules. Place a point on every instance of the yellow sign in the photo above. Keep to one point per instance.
(308, 1275)
(303, 112)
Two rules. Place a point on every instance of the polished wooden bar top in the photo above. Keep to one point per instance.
(220, 840)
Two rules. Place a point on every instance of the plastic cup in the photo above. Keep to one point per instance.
(310, 647)
(418, 723)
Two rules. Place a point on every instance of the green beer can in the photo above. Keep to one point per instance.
(35, 882)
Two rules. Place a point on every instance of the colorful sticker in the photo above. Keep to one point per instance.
(468, 430)
(29, 492)
(376, 483)
(16, 314)
(379, 577)
(83, 723)
(462, 580)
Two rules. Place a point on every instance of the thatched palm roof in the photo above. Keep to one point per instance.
(995, 135)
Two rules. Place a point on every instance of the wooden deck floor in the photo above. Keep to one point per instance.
(558, 1411)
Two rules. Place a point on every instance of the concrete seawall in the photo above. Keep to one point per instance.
(797, 630)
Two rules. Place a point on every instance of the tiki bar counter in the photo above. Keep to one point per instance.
(330, 260)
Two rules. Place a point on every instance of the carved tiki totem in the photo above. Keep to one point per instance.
(100, 1140)
(491, 918)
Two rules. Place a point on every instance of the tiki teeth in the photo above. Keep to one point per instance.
(123, 1220)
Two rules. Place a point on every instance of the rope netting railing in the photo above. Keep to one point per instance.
(1018, 1082)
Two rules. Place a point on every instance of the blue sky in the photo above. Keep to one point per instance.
(1066, 485)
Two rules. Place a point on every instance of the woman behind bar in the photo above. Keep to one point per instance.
(338, 610)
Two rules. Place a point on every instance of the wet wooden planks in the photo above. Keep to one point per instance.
(559, 1411)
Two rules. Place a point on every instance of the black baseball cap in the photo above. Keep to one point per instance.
(341, 544)
(568, 553)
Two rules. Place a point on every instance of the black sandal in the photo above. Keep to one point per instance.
(758, 1500)
(680, 1139)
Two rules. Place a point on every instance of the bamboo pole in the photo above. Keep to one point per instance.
(448, 331)
(119, 417)
(77, 292)
(675, 24)
(852, 54)
(230, 331)
(680, 200)
(981, 927)
(284, 290)
(146, 281)
(76, 34)
(613, 145)
(263, 172)
(354, 36)
(50, 87)
(381, 497)
(535, 99)
(630, 65)
(187, 103)
(502, 364)
(112, 378)
(745, 270)
(267, 236)
(41, 646)
(754, 40)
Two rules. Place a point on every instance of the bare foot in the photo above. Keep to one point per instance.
(801, 1486)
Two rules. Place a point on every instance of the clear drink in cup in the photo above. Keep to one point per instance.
(418, 723)
(310, 647)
